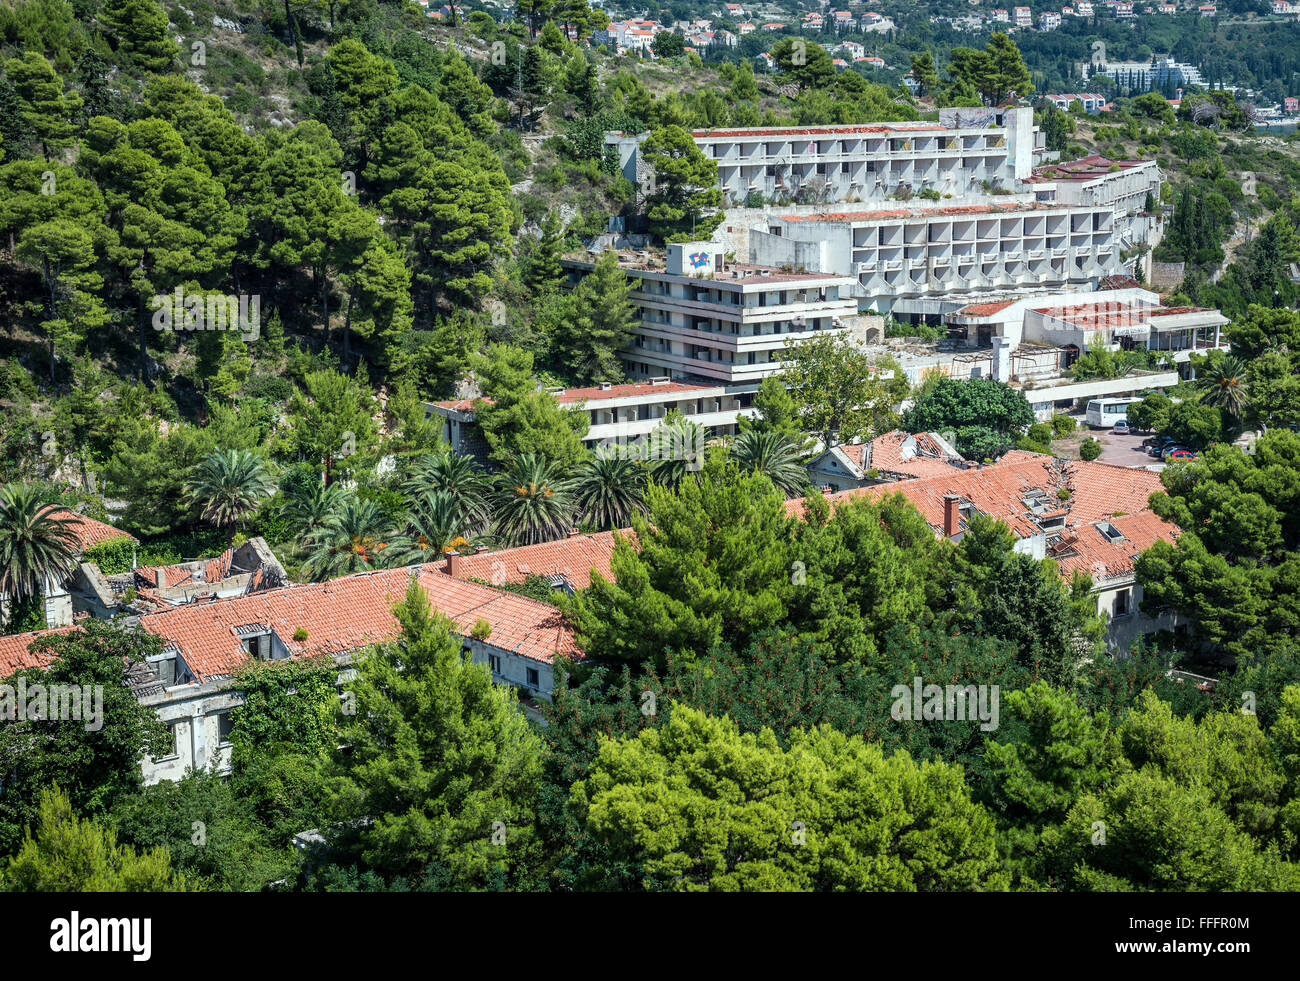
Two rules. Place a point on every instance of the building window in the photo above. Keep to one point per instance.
(174, 739)
(224, 728)
(533, 681)
(494, 661)
(1123, 603)
(258, 646)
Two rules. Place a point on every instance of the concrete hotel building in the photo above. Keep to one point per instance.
(706, 320)
(863, 162)
(909, 254)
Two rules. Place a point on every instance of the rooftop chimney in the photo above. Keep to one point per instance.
(454, 560)
(160, 578)
(951, 514)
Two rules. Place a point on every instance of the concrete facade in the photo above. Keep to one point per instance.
(869, 162)
(919, 252)
(706, 319)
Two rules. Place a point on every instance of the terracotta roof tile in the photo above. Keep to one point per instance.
(15, 653)
(352, 612)
(575, 558)
(89, 531)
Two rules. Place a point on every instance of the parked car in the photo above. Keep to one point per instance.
(1173, 448)
(1181, 454)
(1159, 444)
(1121, 427)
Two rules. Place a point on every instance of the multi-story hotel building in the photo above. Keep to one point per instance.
(811, 164)
(924, 253)
(708, 320)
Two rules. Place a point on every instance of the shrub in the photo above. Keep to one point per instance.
(1089, 449)
(112, 556)
(1040, 432)
(300, 635)
(1062, 425)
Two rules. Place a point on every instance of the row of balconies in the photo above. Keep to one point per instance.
(877, 149)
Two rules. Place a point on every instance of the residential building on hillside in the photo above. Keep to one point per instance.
(1159, 73)
(814, 164)
(889, 457)
(1127, 186)
(568, 563)
(618, 414)
(1091, 101)
(58, 604)
(1031, 340)
(194, 687)
(1098, 526)
(706, 320)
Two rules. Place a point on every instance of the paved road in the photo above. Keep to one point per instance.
(1127, 451)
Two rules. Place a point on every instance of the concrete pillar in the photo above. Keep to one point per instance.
(198, 738)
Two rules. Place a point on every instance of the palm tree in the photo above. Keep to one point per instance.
(355, 539)
(1222, 382)
(434, 527)
(228, 485)
(37, 543)
(608, 490)
(676, 448)
(311, 506)
(774, 455)
(532, 501)
(461, 479)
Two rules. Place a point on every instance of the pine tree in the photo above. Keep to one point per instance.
(602, 321)
(47, 110)
(685, 185)
(139, 28)
(63, 853)
(542, 272)
(461, 794)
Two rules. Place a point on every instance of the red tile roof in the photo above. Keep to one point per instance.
(15, 653)
(1097, 491)
(575, 558)
(89, 531)
(1085, 548)
(886, 455)
(352, 612)
(759, 133)
(596, 393)
(956, 211)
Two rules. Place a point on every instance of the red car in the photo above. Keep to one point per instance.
(1181, 455)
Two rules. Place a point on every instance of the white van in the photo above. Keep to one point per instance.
(1104, 413)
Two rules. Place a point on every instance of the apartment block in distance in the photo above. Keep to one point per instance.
(706, 320)
(906, 254)
(811, 164)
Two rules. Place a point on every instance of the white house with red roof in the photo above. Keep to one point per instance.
(889, 457)
(58, 603)
(1088, 517)
(206, 645)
